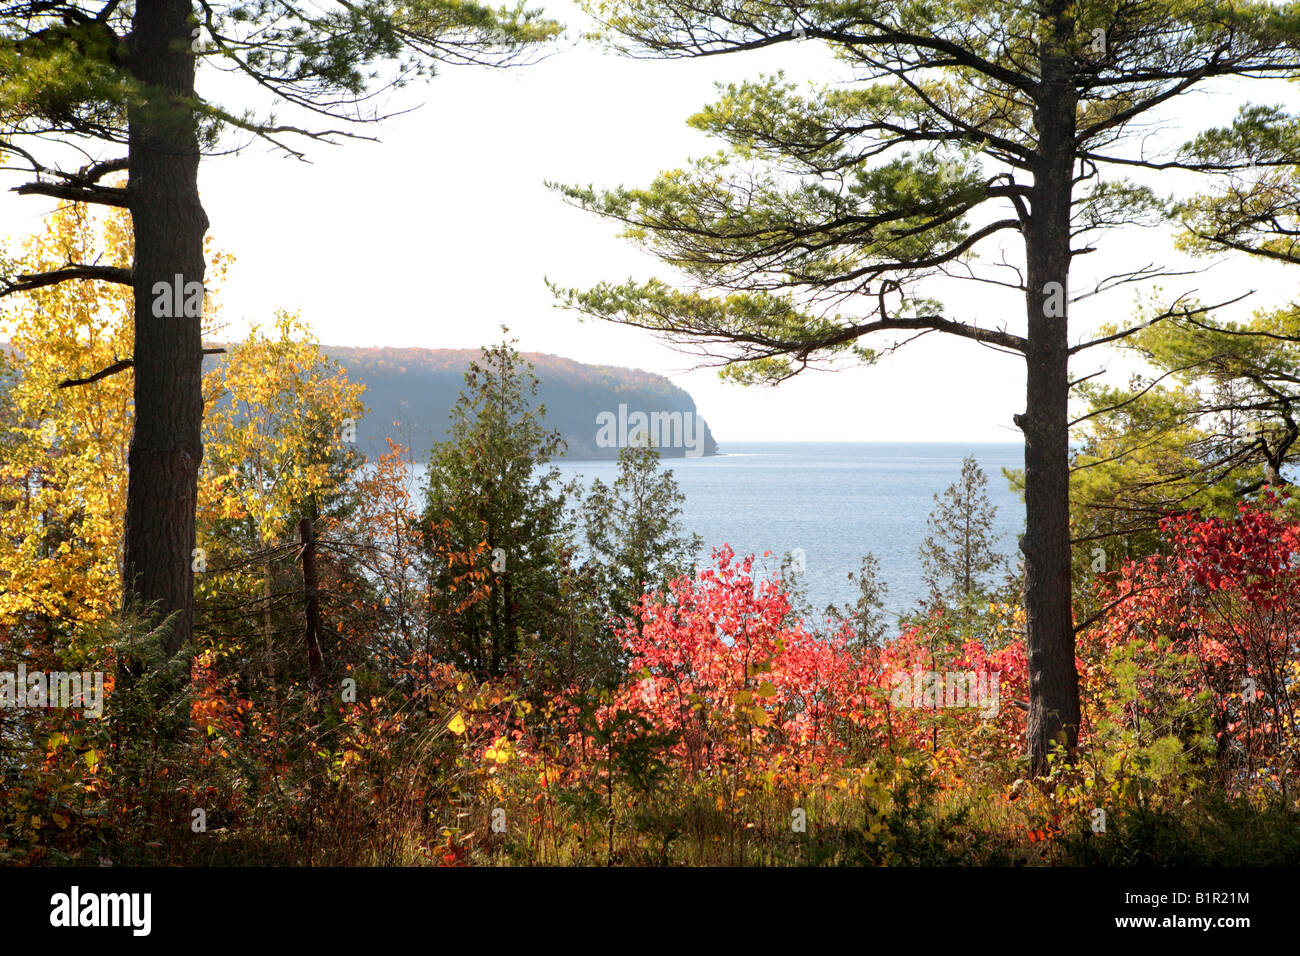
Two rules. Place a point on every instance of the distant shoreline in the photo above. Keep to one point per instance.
(743, 448)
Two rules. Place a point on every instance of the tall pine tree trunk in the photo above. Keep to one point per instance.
(1053, 685)
(169, 226)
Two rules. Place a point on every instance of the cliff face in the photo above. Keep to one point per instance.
(595, 407)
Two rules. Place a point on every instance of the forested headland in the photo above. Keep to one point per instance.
(416, 388)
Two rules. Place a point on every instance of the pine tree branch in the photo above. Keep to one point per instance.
(119, 366)
(39, 280)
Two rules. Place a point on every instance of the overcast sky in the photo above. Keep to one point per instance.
(444, 230)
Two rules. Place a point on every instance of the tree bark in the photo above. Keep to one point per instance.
(169, 225)
(1053, 685)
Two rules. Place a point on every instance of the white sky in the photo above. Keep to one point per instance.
(442, 231)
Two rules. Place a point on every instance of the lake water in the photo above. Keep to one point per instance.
(836, 501)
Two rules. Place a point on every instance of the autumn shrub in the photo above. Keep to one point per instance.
(193, 765)
(741, 736)
(52, 772)
(915, 668)
(1227, 596)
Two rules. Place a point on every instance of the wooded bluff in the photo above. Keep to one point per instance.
(416, 389)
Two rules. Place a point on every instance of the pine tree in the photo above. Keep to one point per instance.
(489, 484)
(959, 554)
(958, 135)
(866, 616)
(634, 532)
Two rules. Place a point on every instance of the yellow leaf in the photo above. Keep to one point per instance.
(456, 725)
(766, 689)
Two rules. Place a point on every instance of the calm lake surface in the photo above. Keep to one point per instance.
(836, 501)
